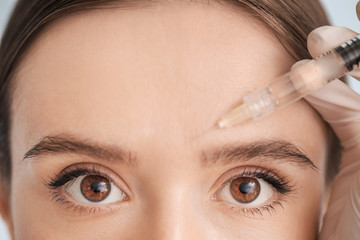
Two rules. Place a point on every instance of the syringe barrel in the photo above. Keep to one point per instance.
(299, 82)
(305, 79)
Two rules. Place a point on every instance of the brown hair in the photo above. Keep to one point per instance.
(290, 21)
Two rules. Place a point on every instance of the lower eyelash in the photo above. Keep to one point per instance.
(270, 208)
(76, 208)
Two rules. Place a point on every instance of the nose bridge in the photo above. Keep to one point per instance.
(173, 199)
(175, 217)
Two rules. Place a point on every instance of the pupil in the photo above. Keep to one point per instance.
(97, 186)
(246, 187)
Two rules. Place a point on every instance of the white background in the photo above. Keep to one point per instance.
(341, 13)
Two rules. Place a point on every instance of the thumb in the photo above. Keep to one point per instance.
(340, 107)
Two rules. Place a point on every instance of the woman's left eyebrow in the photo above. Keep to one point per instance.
(271, 150)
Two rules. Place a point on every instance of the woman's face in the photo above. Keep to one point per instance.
(107, 108)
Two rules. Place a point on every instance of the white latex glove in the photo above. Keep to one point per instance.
(340, 107)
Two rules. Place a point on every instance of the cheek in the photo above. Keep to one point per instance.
(31, 214)
(304, 207)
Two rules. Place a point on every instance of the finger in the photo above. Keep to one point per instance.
(342, 219)
(355, 74)
(325, 38)
(299, 63)
(340, 107)
(358, 10)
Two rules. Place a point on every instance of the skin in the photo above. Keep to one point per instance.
(151, 80)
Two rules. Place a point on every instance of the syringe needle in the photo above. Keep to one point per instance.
(207, 131)
(236, 116)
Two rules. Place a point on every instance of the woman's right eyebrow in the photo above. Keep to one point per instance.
(280, 151)
(68, 144)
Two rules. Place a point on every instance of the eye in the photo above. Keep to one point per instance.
(246, 191)
(94, 189)
(88, 188)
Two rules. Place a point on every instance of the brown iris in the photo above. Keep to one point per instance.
(95, 188)
(245, 189)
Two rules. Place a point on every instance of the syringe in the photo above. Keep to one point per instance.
(296, 84)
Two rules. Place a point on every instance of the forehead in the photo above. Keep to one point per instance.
(163, 73)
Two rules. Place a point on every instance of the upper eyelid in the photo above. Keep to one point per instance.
(78, 173)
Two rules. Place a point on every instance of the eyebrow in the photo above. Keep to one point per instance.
(279, 151)
(267, 150)
(55, 145)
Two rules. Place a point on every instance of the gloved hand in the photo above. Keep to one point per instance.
(340, 107)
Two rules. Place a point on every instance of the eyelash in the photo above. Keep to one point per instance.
(56, 182)
(281, 185)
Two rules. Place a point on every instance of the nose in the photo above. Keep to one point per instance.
(178, 215)
(176, 218)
